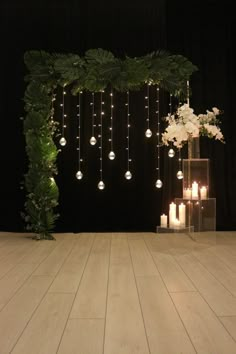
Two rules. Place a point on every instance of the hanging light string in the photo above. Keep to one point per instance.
(79, 174)
(111, 154)
(101, 184)
(148, 132)
(180, 174)
(128, 174)
(93, 140)
(128, 131)
(158, 132)
(171, 152)
(63, 140)
(158, 181)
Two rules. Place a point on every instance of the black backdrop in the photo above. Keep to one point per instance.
(203, 31)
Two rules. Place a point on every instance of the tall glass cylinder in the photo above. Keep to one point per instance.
(194, 148)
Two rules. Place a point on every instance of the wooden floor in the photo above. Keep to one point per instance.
(118, 293)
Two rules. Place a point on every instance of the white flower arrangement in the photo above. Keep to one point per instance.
(184, 125)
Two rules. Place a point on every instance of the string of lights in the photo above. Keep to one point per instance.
(158, 181)
(101, 184)
(128, 174)
(171, 152)
(148, 132)
(79, 174)
(63, 141)
(111, 154)
(93, 140)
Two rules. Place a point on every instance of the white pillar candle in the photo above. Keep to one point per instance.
(195, 190)
(187, 193)
(176, 223)
(163, 220)
(182, 214)
(172, 214)
(203, 192)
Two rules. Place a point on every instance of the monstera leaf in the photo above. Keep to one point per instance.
(133, 74)
(70, 67)
(101, 67)
(40, 65)
(98, 56)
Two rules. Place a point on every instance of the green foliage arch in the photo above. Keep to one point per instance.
(94, 72)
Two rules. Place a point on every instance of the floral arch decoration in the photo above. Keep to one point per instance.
(94, 72)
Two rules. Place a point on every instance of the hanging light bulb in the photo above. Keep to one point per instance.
(93, 140)
(128, 175)
(180, 175)
(148, 133)
(62, 141)
(79, 175)
(159, 183)
(171, 153)
(111, 155)
(101, 185)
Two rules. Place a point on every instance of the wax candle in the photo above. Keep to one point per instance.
(176, 223)
(194, 190)
(187, 193)
(172, 214)
(203, 192)
(182, 214)
(163, 220)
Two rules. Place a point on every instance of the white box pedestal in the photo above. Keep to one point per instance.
(200, 213)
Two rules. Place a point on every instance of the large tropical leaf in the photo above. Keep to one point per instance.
(39, 64)
(70, 67)
(98, 56)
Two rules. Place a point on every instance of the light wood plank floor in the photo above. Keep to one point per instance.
(118, 293)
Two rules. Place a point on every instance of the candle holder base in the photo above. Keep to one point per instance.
(175, 229)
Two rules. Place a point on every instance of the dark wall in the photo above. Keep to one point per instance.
(202, 31)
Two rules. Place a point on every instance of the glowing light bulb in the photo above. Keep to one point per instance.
(171, 153)
(128, 175)
(180, 175)
(111, 155)
(159, 183)
(93, 140)
(148, 133)
(79, 175)
(52, 180)
(62, 141)
(101, 185)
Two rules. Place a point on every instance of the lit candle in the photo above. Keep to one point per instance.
(203, 192)
(172, 214)
(182, 213)
(176, 222)
(187, 193)
(163, 220)
(195, 190)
